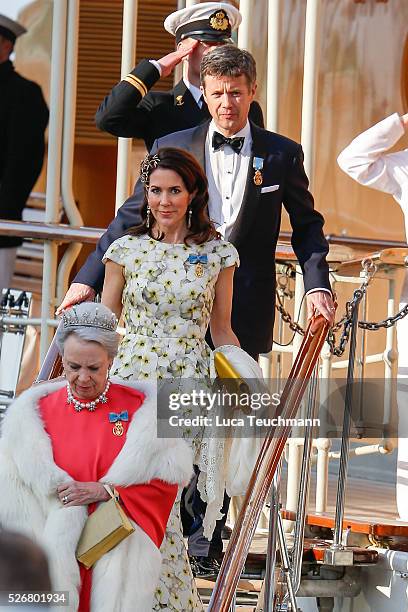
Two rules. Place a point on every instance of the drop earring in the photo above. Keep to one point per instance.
(189, 215)
(148, 216)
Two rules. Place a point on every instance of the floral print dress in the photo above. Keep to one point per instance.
(167, 301)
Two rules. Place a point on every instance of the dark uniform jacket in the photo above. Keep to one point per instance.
(255, 232)
(127, 112)
(23, 119)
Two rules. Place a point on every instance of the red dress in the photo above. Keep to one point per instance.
(85, 447)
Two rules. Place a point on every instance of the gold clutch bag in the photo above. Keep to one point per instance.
(229, 374)
(231, 379)
(103, 530)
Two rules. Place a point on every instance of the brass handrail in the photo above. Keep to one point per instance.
(58, 232)
(357, 242)
(265, 468)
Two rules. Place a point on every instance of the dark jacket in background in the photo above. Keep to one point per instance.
(124, 112)
(23, 119)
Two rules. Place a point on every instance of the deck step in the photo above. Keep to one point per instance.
(250, 586)
(372, 525)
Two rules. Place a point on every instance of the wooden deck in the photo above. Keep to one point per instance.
(366, 500)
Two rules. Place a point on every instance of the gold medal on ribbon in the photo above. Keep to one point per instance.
(257, 165)
(117, 429)
(258, 177)
(198, 261)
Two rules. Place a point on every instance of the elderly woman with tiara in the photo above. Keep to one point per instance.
(64, 440)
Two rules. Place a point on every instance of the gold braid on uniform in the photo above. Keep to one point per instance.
(137, 83)
(149, 164)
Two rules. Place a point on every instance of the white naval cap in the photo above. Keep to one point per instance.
(10, 29)
(209, 21)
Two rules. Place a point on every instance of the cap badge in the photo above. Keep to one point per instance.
(219, 21)
(179, 101)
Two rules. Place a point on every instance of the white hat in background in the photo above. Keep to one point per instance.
(10, 29)
(208, 21)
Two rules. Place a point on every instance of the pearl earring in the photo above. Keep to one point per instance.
(148, 216)
(190, 214)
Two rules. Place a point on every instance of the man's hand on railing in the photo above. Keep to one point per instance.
(76, 293)
(321, 302)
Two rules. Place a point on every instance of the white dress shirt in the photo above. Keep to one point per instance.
(195, 92)
(227, 173)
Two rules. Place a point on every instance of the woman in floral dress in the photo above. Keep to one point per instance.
(171, 277)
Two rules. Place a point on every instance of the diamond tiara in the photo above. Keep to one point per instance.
(71, 318)
(147, 165)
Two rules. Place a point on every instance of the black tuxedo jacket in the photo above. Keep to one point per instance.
(255, 232)
(124, 112)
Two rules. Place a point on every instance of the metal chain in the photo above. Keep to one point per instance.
(345, 322)
(348, 321)
(295, 327)
(386, 323)
(370, 270)
(365, 325)
(287, 272)
(283, 291)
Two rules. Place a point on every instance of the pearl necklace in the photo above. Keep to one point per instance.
(88, 405)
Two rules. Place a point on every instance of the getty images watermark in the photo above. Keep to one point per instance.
(226, 414)
(193, 408)
(210, 400)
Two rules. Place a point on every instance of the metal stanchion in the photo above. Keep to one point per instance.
(269, 580)
(336, 554)
(286, 568)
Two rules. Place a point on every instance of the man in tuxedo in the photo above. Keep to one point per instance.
(131, 110)
(251, 173)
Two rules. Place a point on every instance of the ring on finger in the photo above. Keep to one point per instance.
(65, 499)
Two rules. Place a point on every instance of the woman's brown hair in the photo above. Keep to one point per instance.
(194, 179)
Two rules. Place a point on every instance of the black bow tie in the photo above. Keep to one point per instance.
(218, 140)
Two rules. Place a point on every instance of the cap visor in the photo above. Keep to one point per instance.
(210, 37)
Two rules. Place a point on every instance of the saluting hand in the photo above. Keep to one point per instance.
(170, 61)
